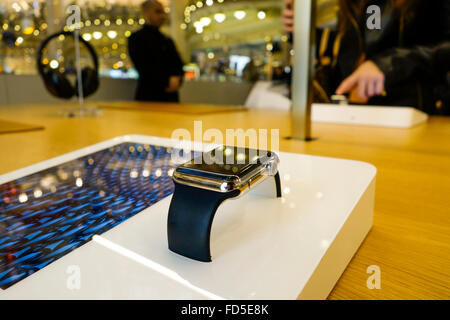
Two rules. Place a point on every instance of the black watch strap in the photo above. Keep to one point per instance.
(190, 218)
(191, 214)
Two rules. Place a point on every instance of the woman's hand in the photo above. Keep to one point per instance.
(368, 79)
(288, 15)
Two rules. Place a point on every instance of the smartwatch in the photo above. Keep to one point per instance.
(206, 181)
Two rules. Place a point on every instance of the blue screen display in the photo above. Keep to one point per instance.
(46, 215)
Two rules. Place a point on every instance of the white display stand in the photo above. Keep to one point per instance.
(396, 117)
(292, 247)
(266, 96)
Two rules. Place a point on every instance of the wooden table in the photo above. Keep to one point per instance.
(410, 240)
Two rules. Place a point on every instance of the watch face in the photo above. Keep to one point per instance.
(224, 162)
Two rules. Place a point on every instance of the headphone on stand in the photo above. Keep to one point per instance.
(57, 83)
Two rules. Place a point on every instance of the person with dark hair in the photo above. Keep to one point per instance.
(155, 57)
(403, 63)
(250, 72)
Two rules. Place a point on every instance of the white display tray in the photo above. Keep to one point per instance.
(265, 95)
(262, 247)
(395, 117)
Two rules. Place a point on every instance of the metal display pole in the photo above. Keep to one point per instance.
(303, 71)
(76, 35)
(73, 22)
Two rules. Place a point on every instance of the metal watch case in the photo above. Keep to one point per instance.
(268, 167)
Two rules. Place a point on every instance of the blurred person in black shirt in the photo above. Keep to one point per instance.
(155, 57)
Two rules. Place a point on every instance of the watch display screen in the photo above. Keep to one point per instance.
(46, 215)
(226, 161)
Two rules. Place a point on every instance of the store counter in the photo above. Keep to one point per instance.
(409, 238)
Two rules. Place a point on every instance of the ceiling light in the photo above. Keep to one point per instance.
(97, 35)
(219, 17)
(54, 64)
(240, 14)
(87, 36)
(205, 21)
(111, 34)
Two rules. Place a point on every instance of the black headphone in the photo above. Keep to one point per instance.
(57, 83)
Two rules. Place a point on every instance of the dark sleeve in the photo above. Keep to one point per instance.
(399, 64)
(176, 62)
(146, 64)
